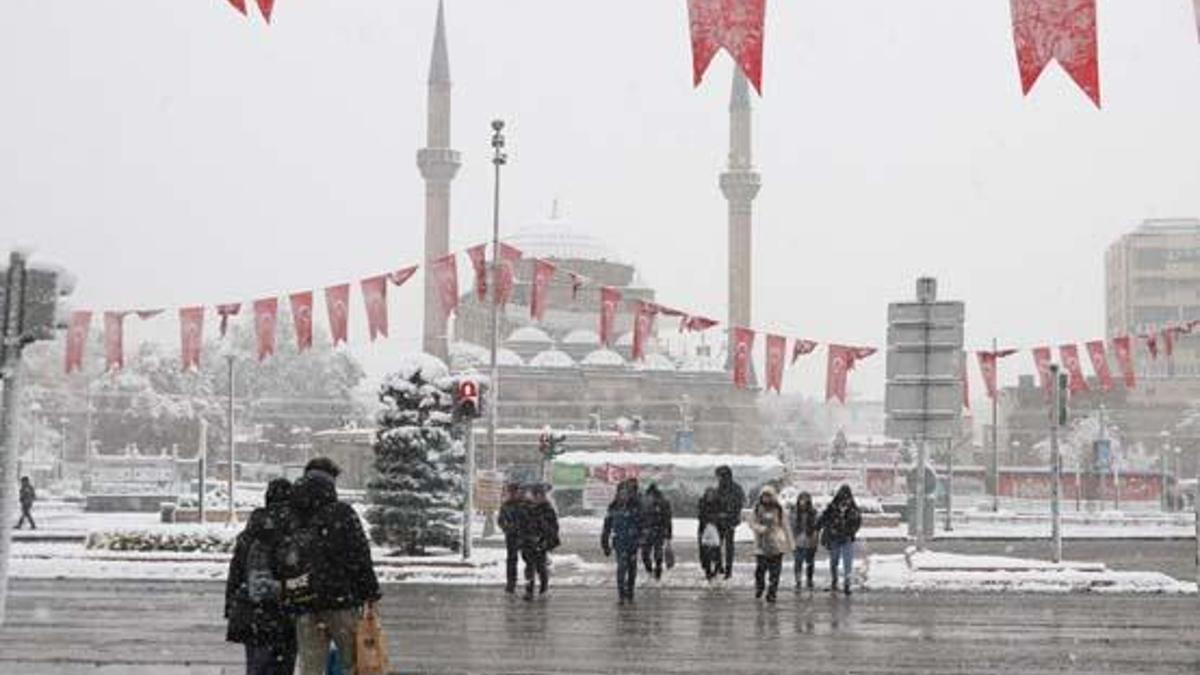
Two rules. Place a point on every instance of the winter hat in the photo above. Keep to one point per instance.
(279, 491)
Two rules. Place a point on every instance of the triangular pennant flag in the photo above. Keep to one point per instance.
(543, 273)
(802, 348)
(266, 7)
(505, 273)
(643, 323)
(239, 5)
(402, 275)
(696, 324)
(1070, 358)
(444, 271)
(77, 335)
(842, 360)
(147, 314)
(743, 343)
(266, 311)
(736, 26)
(191, 337)
(1123, 348)
(1095, 350)
(374, 290)
(1041, 361)
(609, 299)
(337, 305)
(776, 356)
(225, 311)
(302, 319)
(1057, 30)
(478, 257)
(114, 340)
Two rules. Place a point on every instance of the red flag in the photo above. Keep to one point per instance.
(1070, 358)
(337, 304)
(505, 273)
(696, 324)
(402, 275)
(989, 365)
(265, 6)
(776, 357)
(802, 348)
(146, 314)
(610, 298)
(1124, 350)
(543, 273)
(77, 339)
(239, 5)
(1057, 30)
(1151, 345)
(265, 312)
(226, 311)
(966, 384)
(1095, 350)
(114, 340)
(842, 360)
(576, 285)
(643, 323)
(1041, 361)
(302, 318)
(743, 343)
(736, 26)
(478, 256)
(1169, 336)
(191, 336)
(445, 276)
(667, 311)
(374, 290)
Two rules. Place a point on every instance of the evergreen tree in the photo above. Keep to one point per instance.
(416, 495)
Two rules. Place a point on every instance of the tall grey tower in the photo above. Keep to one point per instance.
(740, 184)
(438, 164)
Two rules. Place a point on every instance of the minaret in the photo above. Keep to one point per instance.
(438, 164)
(740, 184)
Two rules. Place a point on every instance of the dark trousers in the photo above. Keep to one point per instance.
(652, 557)
(270, 660)
(726, 532)
(805, 559)
(26, 514)
(535, 566)
(767, 564)
(513, 550)
(626, 573)
(710, 560)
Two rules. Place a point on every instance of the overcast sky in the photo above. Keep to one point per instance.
(176, 153)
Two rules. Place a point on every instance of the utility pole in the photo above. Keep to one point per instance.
(202, 467)
(499, 159)
(469, 502)
(949, 484)
(230, 357)
(10, 371)
(1057, 392)
(996, 432)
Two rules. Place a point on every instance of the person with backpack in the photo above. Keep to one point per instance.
(539, 536)
(656, 529)
(329, 576)
(623, 533)
(804, 533)
(253, 590)
(729, 502)
(708, 535)
(27, 497)
(509, 519)
(839, 524)
(772, 539)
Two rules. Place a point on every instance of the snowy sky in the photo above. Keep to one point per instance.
(175, 152)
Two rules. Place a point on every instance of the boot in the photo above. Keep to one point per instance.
(846, 587)
(529, 590)
(833, 585)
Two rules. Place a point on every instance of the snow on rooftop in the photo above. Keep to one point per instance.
(670, 459)
(703, 364)
(605, 358)
(529, 335)
(552, 358)
(507, 357)
(656, 362)
(430, 367)
(582, 336)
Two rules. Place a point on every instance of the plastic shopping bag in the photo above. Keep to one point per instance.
(370, 654)
(669, 555)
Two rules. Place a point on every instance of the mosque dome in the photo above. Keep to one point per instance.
(529, 335)
(507, 357)
(656, 363)
(552, 358)
(556, 237)
(467, 356)
(605, 358)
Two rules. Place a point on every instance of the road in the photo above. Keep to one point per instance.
(138, 628)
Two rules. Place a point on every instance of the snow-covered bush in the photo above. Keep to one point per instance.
(189, 540)
(416, 497)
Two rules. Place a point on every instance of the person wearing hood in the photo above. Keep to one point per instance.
(253, 590)
(330, 573)
(708, 535)
(623, 533)
(729, 503)
(538, 534)
(804, 533)
(839, 524)
(656, 529)
(772, 539)
(511, 519)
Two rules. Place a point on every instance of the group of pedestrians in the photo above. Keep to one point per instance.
(300, 578)
(637, 522)
(530, 526)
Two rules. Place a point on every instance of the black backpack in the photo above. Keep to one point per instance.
(295, 558)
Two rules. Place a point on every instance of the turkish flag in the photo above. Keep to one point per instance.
(736, 26)
(402, 275)
(643, 323)
(191, 336)
(988, 367)
(610, 299)
(478, 256)
(1057, 30)
(114, 340)
(842, 360)
(145, 314)
(1123, 348)
(743, 343)
(226, 311)
(1095, 350)
(776, 357)
(543, 273)
(696, 324)
(668, 311)
(445, 277)
(374, 290)
(802, 348)
(505, 273)
(239, 5)
(1041, 361)
(265, 6)
(1070, 358)
(77, 335)
(1151, 345)
(576, 285)
(302, 318)
(265, 314)
(337, 304)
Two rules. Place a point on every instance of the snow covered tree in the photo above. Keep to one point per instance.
(416, 495)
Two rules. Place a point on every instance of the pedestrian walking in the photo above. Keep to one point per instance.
(27, 497)
(329, 577)
(804, 533)
(656, 529)
(730, 500)
(839, 524)
(708, 535)
(772, 539)
(512, 513)
(254, 606)
(622, 534)
(539, 536)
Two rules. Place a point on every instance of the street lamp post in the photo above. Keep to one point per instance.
(230, 358)
(1166, 441)
(62, 447)
(499, 159)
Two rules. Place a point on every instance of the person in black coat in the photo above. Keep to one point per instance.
(27, 497)
(730, 501)
(330, 573)
(253, 590)
(623, 533)
(804, 534)
(708, 535)
(512, 512)
(839, 524)
(538, 536)
(656, 529)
